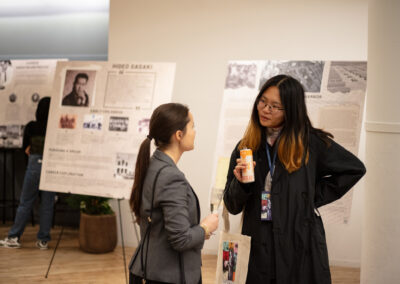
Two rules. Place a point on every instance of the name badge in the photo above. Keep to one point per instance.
(266, 212)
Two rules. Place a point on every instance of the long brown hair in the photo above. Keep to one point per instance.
(164, 122)
(293, 143)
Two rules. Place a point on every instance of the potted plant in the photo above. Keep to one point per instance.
(98, 224)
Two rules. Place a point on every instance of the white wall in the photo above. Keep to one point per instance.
(201, 36)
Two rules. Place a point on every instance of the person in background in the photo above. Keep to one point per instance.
(298, 168)
(33, 143)
(177, 235)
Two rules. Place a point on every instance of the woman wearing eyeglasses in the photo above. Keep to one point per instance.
(298, 168)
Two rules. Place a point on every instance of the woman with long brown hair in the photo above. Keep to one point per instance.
(298, 168)
(165, 205)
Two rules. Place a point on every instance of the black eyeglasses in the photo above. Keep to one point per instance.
(272, 108)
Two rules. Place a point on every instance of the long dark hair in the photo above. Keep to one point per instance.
(42, 110)
(293, 142)
(164, 122)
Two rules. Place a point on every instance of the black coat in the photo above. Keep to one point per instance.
(72, 100)
(292, 248)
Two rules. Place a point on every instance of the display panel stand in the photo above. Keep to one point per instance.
(122, 242)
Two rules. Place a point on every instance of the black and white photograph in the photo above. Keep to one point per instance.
(347, 76)
(124, 166)
(5, 73)
(309, 73)
(11, 135)
(241, 75)
(78, 88)
(93, 122)
(118, 123)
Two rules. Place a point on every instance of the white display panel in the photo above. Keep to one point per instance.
(91, 148)
(22, 84)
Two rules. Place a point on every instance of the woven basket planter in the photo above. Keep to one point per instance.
(98, 233)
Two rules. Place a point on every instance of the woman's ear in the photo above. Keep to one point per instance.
(178, 135)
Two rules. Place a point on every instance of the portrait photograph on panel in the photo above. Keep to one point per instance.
(78, 88)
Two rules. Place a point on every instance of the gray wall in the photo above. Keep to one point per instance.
(73, 35)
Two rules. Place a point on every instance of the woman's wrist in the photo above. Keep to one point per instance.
(207, 233)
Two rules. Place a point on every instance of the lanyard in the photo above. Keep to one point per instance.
(271, 165)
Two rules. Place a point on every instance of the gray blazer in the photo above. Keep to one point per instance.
(175, 225)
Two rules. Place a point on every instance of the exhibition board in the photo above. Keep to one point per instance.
(99, 115)
(335, 95)
(22, 84)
